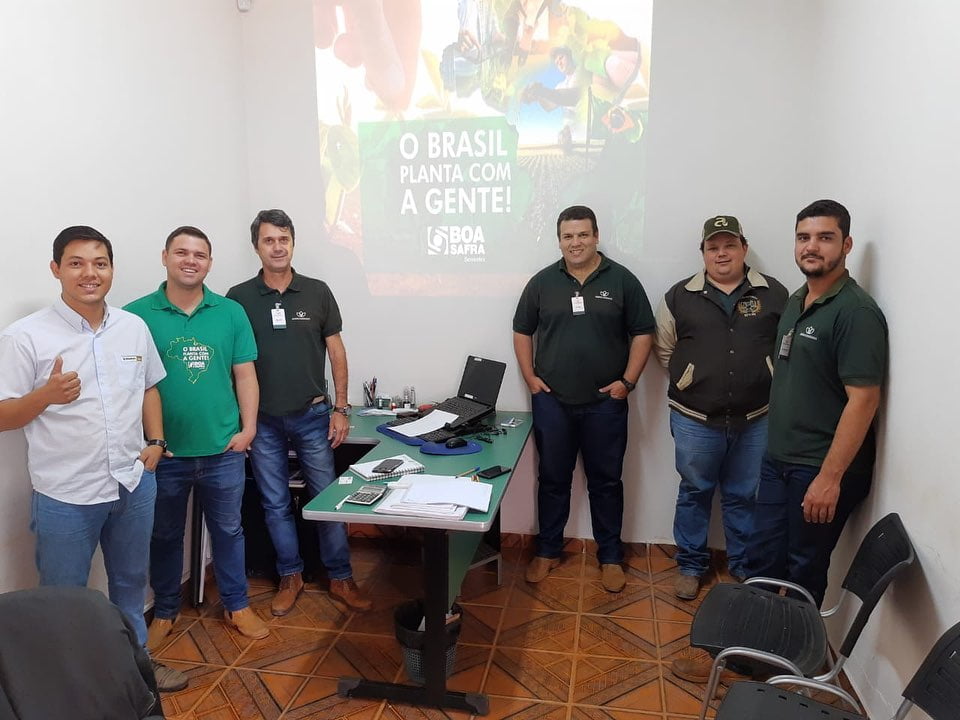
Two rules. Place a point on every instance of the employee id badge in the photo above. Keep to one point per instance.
(279, 318)
(576, 304)
(786, 342)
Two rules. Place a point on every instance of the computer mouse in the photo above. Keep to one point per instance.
(455, 442)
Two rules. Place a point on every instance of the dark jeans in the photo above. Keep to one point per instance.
(598, 431)
(786, 547)
(217, 482)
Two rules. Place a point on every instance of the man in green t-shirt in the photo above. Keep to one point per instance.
(831, 359)
(208, 349)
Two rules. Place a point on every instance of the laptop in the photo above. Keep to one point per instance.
(479, 389)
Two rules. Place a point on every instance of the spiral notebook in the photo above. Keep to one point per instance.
(409, 466)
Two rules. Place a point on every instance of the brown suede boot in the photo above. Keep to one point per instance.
(290, 588)
(694, 666)
(347, 592)
(246, 622)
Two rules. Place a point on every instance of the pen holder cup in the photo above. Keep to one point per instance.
(406, 621)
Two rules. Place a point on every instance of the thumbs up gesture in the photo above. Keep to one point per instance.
(62, 387)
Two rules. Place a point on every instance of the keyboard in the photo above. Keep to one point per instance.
(467, 411)
(438, 436)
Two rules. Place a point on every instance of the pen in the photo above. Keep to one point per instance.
(340, 504)
(471, 471)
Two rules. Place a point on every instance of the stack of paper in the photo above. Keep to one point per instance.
(436, 496)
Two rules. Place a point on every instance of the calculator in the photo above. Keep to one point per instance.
(366, 494)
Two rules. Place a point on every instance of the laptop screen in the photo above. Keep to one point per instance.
(481, 380)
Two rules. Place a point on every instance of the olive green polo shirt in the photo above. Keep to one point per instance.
(200, 411)
(578, 353)
(292, 359)
(840, 340)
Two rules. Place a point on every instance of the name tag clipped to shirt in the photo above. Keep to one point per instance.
(786, 342)
(279, 318)
(576, 304)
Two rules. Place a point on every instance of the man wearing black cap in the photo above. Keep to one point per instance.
(715, 336)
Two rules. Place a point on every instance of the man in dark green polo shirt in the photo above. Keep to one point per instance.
(831, 361)
(297, 325)
(206, 346)
(594, 330)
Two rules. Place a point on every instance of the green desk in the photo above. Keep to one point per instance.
(449, 548)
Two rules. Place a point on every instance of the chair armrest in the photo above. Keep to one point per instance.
(754, 654)
(812, 684)
(773, 582)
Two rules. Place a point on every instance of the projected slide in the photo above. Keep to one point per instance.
(452, 132)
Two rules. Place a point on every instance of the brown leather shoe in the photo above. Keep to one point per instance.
(290, 588)
(612, 577)
(246, 622)
(695, 665)
(347, 592)
(158, 631)
(686, 587)
(540, 567)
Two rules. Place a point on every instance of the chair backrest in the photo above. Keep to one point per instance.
(884, 553)
(935, 687)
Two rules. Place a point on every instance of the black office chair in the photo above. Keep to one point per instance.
(769, 632)
(934, 688)
(68, 652)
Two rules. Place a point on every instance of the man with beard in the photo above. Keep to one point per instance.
(831, 361)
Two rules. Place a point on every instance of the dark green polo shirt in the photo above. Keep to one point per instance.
(841, 339)
(292, 360)
(200, 411)
(577, 354)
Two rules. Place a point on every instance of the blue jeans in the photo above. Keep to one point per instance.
(708, 457)
(218, 482)
(306, 432)
(598, 431)
(67, 536)
(784, 545)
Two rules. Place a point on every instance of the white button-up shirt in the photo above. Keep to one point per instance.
(79, 452)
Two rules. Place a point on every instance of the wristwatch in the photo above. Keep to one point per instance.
(157, 441)
(343, 409)
(628, 385)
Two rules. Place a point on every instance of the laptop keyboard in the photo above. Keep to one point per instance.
(462, 407)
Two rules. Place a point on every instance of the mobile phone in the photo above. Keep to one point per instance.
(493, 471)
(388, 465)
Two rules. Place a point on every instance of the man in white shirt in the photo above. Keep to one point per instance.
(79, 377)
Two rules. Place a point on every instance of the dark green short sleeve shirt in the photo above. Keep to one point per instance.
(292, 359)
(840, 340)
(576, 354)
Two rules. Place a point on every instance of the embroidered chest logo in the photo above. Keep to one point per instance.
(194, 355)
(301, 315)
(749, 306)
(603, 295)
(809, 332)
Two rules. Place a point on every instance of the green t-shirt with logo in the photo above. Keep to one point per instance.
(839, 341)
(200, 411)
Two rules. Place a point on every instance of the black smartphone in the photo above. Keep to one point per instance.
(493, 471)
(388, 465)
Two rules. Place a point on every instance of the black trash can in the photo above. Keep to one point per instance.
(406, 623)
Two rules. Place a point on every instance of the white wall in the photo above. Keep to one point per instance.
(885, 112)
(125, 116)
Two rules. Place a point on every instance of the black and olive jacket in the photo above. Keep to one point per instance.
(720, 363)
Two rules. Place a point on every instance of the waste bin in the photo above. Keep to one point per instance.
(406, 623)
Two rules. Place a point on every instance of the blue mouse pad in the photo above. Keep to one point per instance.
(441, 449)
(390, 432)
